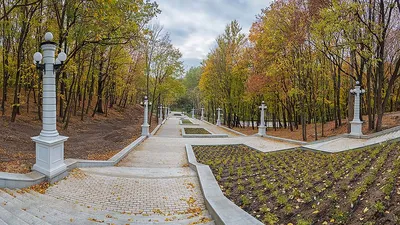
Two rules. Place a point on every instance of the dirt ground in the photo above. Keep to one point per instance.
(98, 138)
(389, 120)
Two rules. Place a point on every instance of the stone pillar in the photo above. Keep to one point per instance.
(202, 114)
(160, 116)
(219, 117)
(356, 124)
(145, 126)
(193, 113)
(49, 144)
(262, 129)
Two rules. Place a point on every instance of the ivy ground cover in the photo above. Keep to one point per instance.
(305, 187)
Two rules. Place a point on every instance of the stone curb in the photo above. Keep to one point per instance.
(222, 210)
(285, 139)
(211, 135)
(157, 127)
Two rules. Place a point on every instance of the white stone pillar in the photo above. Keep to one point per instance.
(49, 144)
(219, 117)
(160, 116)
(262, 130)
(356, 124)
(202, 114)
(193, 113)
(145, 126)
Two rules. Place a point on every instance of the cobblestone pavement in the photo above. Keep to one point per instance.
(130, 195)
(153, 179)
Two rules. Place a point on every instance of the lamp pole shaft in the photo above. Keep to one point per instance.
(49, 129)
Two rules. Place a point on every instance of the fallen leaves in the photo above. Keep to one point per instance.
(40, 188)
(96, 220)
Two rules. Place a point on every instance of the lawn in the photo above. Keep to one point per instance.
(305, 187)
(186, 121)
(196, 131)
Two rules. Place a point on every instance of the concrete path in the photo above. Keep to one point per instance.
(151, 185)
(346, 143)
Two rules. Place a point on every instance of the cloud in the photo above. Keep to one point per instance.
(194, 25)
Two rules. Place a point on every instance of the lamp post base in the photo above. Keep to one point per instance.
(218, 123)
(356, 128)
(50, 156)
(262, 131)
(145, 130)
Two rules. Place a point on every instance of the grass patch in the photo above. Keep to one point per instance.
(196, 131)
(186, 121)
(304, 187)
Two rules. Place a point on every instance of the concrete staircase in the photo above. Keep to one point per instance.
(19, 207)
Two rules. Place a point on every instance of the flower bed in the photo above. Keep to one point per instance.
(305, 187)
(196, 131)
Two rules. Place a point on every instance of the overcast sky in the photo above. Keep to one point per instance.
(193, 25)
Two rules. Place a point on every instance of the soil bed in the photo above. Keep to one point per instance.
(196, 131)
(97, 138)
(304, 187)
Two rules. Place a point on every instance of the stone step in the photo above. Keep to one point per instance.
(2, 222)
(20, 212)
(82, 213)
(46, 212)
(150, 173)
(9, 218)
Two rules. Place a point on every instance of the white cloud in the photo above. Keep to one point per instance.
(195, 24)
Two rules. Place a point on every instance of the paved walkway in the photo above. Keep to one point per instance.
(153, 179)
(345, 143)
(151, 185)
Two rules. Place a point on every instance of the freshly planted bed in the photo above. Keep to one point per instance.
(196, 131)
(305, 187)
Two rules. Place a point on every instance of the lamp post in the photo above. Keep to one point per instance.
(356, 124)
(262, 128)
(202, 114)
(165, 112)
(49, 144)
(160, 116)
(219, 117)
(145, 126)
(192, 113)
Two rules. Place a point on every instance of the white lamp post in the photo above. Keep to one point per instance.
(145, 126)
(160, 115)
(193, 113)
(165, 112)
(219, 117)
(262, 128)
(356, 124)
(202, 114)
(49, 144)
